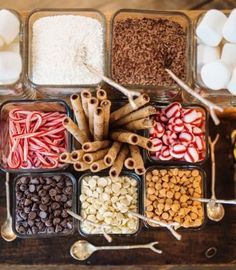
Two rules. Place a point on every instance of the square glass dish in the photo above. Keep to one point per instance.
(29, 146)
(16, 89)
(62, 89)
(191, 134)
(155, 89)
(167, 195)
(40, 202)
(113, 210)
(223, 96)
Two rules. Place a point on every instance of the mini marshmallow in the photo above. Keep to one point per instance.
(206, 54)
(10, 66)
(228, 55)
(229, 29)
(9, 26)
(232, 84)
(216, 75)
(209, 30)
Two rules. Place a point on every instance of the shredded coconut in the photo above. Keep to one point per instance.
(61, 44)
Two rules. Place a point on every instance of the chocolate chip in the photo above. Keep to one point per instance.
(24, 180)
(34, 181)
(31, 223)
(46, 187)
(57, 213)
(35, 198)
(32, 215)
(69, 225)
(34, 207)
(35, 230)
(23, 187)
(45, 199)
(42, 192)
(68, 190)
(43, 207)
(42, 214)
(27, 210)
(56, 221)
(64, 214)
(52, 192)
(27, 202)
(48, 223)
(63, 198)
(55, 205)
(58, 228)
(21, 229)
(58, 198)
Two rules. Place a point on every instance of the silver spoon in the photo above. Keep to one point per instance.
(82, 249)
(205, 200)
(6, 229)
(215, 211)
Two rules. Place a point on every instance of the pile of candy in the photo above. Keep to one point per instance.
(36, 139)
(178, 134)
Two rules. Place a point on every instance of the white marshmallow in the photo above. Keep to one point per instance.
(229, 29)
(9, 26)
(229, 55)
(206, 54)
(210, 28)
(232, 84)
(216, 75)
(10, 66)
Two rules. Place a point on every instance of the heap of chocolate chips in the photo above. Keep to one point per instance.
(41, 205)
(143, 48)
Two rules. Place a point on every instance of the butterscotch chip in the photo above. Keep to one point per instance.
(160, 206)
(156, 178)
(169, 201)
(149, 177)
(157, 193)
(165, 178)
(149, 214)
(165, 185)
(162, 193)
(148, 202)
(151, 184)
(176, 188)
(155, 172)
(195, 173)
(175, 171)
(165, 215)
(161, 200)
(169, 194)
(158, 186)
(150, 191)
(198, 179)
(152, 197)
(150, 208)
(198, 190)
(196, 195)
(163, 172)
(173, 180)
(177, 195)
(193, 215)
(175, 207)
(167, 207)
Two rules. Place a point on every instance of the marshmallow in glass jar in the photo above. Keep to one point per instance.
(229, 29)
(232, 84)
(209, 30)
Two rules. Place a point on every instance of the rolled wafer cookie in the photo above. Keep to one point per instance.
(144, 143)
(126, 109)
(77, 155)
(78, 134)
(136, 155)
(139, 114)
(98, 166)
(116, 168)
(139, 124)
(106, 105)
(92, 105)
(112, 153)
(66, 158)
(94, 156)
(81, 166)
(95, 146)
(98, 124)
(85, 96)
(129, 163)
(124, 136)
(101, 94)
(79, 114)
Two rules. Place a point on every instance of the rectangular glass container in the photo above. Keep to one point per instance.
(105, 174)
(16, 90)
(42, 175)
(60, 90)
(180, 167)
(179, 162)
(157, 92)
(29, 105)
(222, 97)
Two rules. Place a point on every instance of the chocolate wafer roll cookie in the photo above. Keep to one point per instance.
(139, 114)
(101, 94)
(79, 114)
(136, 155)
(106, 105)
(124, 136)
(98, 166)
(94, 156)
(92, 105)
(112, 153)
(139, 124)
(66, 158)
(78, 134)
(126, 109)
(116, 168)
(81, 166)
(95, 146)
(85, 96)
(77, 155)
(98, 124)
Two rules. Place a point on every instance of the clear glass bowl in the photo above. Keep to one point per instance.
(157, 92)
(206, 142)
(60, 90)
(43, 175)
(16, 90)
(180, 167)
(103, 174)
(222, 97)
(29, 105)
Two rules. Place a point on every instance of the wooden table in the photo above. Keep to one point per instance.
(190, 251)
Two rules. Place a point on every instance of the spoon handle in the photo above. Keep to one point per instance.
(216, 201)
(147, 246)
(7, 195)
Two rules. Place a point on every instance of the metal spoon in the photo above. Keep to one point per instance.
(204, 200)
(6, 229)
(215, 211)
(82, 249)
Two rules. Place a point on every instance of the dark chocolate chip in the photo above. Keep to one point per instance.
(57, 213)
(58, 198)
(27, 210)
(42, 192)
(58, 228)
(55, 205)
(48, 223)
(43, 214)
(43, 207)
(50, 230)
(69, 225)
(32, 215)
(52, 192)
(27, 202)
(56, 221)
